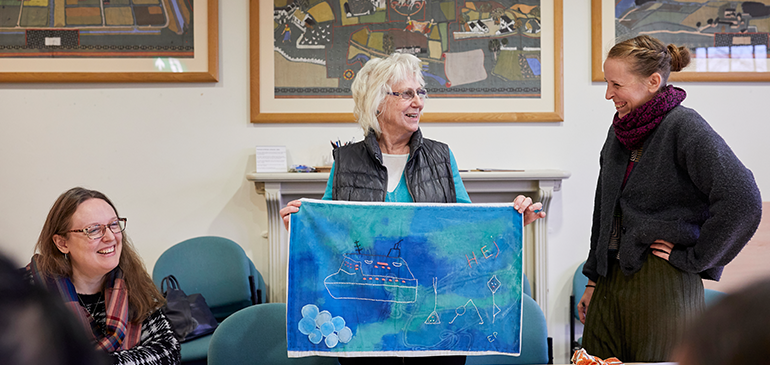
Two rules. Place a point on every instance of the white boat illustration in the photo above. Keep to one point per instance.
(381, 278)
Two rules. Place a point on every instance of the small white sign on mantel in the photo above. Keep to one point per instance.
(271, 159)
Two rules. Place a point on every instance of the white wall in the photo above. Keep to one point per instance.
(173, 157)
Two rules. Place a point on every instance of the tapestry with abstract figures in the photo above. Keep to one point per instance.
(97, 29)
(392, 279)
(468, 49)
(732, 33)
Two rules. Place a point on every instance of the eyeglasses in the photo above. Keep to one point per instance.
(97, 231)
(409, 94)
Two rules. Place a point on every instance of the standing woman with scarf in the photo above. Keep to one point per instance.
(84, 256)
(673, 205)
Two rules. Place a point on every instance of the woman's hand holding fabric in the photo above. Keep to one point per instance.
(531, 211)
(285, 212)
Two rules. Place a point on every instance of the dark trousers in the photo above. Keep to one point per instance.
(641, 317)
(436, 360)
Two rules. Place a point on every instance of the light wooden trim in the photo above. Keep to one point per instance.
(211, 75)
(254, 63)
(558, 68)
(597, 74)
(720, 76)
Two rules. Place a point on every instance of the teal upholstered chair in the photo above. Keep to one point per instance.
(217, 268)
(712, 296)
(257, 335)
(535, 344)
(579, 282)
(527, 289)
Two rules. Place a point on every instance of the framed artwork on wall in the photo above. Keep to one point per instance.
(728, 40)
(109, 41)
(483, 61)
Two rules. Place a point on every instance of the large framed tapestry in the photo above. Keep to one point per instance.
(483, 61)
(392, 279)
(109, 40)
(728, 40)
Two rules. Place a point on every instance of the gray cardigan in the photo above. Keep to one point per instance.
(689, 189)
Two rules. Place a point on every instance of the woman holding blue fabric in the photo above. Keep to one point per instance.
(673, 206)
(394, 163)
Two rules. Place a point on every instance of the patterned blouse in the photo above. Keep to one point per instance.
(157, 345)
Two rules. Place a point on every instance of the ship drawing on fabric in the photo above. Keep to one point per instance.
(380, 278)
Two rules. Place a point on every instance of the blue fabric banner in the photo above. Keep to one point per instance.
(389, 279)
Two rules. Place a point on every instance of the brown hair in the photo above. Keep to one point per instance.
(648, 55)
(143, 296)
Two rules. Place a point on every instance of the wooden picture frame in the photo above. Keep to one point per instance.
(729, 65)
(265, 108)
(203, 67)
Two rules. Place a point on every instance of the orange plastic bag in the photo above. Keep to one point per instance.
(581, 357)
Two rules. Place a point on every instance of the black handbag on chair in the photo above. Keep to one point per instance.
(189, 315)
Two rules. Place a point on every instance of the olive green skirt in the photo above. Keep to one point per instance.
(641, 318)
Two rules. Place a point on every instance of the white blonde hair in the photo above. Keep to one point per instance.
(373, 83)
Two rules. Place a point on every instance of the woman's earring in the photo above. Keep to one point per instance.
(66, 258)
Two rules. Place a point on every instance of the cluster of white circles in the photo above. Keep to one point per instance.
(321, 326)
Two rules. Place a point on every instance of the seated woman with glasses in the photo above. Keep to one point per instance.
(84, 255)
(394, 163)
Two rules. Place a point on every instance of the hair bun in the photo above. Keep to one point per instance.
(680, 57)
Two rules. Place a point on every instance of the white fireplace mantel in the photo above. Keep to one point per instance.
(483, 187)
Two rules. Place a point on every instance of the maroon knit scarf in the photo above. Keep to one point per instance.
(633, 128)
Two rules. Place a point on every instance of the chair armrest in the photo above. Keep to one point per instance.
(550, 350)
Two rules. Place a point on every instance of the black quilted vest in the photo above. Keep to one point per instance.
(359, 174)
